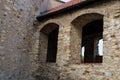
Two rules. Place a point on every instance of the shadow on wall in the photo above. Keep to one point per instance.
(48, 4)
(44, 5)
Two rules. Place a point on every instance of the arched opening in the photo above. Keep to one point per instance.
(92, 42)
(87, 38)
(48, 42)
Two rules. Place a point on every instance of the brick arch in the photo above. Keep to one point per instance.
(76, 32)
(85, 12)
(86, 18)
(48, 22)
(48, 28)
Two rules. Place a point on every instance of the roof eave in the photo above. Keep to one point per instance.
(41, 17)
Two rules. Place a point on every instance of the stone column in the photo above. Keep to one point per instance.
(75, 41)
(63, 54)
(111, 37)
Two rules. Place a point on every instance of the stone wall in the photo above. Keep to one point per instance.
(16, 30)
(69, 65)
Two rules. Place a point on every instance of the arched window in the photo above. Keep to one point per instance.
(92, 42)
(87, 38)
(48, 43)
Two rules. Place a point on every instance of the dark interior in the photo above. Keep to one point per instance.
(90, 33)
(52, 46)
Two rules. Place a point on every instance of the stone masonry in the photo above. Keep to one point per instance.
(23, 42)
(68, 65)
(17, 25)
(17, 21)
